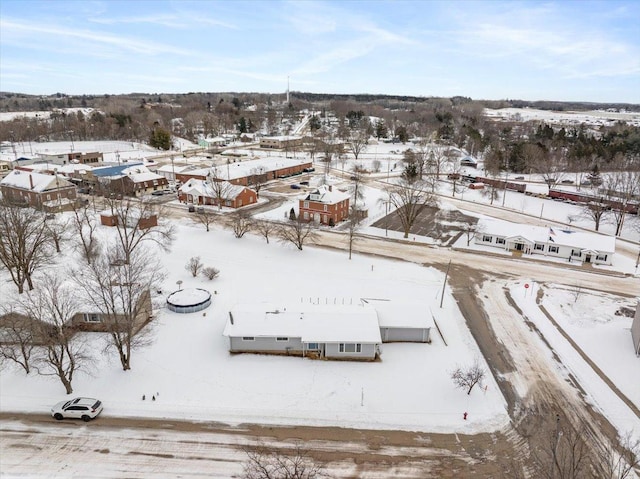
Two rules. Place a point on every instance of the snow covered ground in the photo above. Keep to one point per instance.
(189, 366)
(588, 318)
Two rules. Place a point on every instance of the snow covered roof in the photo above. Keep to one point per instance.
(41, 182)
(542, 234)
(394, 314)
(311, 323)
(326, 194)
(242, 169)
(204, 188)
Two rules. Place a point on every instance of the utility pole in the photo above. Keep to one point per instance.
(444, 285)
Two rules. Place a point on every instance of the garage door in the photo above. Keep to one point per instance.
(418, 335)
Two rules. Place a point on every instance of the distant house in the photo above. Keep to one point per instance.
(138, 180)
(318, 331)
(635, 330)
(574, 246)
(203, 192)
(5, 167)
(469, 161)
(41, 191)
(324, 206)
(280, 142)
(88, 319)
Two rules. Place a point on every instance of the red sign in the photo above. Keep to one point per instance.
(526, 285)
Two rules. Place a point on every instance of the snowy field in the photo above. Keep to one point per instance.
(197, 379)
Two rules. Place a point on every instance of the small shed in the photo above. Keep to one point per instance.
(476, 186)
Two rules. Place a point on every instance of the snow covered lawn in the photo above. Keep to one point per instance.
(189, 365)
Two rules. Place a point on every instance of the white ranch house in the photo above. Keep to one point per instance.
(555, 242)
(326, 331)
(333, 331)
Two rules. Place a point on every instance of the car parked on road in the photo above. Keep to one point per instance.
(306, 183)
(78, 408)
(295, 187)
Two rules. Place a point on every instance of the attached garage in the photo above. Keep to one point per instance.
(403, 322)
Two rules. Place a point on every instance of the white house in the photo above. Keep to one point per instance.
(553, 242)
(326, 331)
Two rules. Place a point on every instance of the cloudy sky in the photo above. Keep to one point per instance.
(566, 50)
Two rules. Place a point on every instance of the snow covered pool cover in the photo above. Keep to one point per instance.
(189, 300)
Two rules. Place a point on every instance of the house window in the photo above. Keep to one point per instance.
(324, 218)
(306, 215)
(313, 346)
(499, 240)
(487, 238)
(91, 318)
(601, 257)
(306, 204)
(282, 338)
(350, 347)
(325, 208)
(538, 247)
(248, 338)
(576, 252)
(553, 249)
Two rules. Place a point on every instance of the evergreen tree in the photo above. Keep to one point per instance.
(160, 138)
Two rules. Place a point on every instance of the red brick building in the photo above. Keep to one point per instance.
(325, 206)
(202, 192)
(50, 192)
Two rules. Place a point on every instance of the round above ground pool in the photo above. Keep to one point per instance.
(189, 300)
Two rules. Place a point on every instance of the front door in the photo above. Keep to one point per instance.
(587, 258)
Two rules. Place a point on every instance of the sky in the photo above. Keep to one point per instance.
(562, 50)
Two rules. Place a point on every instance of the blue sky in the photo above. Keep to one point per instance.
(568, 50)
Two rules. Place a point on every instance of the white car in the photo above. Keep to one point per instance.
(78, 408)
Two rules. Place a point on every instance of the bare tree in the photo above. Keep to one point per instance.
(242, 224)
(210, 272)
(194, 265)
(17, 343)
(619, 462)
(551, 165)
(84, 226)
(121, 292)
(219, 187)
(621, 187)
(596, 211)
(257, 179)
(205, 217)
(266, 228)
(133, 230)
(263, 463)
(563, 453)
(58, 230)
(410, 199)
(357, 141)
(51, 308)
(297, 232)
(25, 243)
(466, 378)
